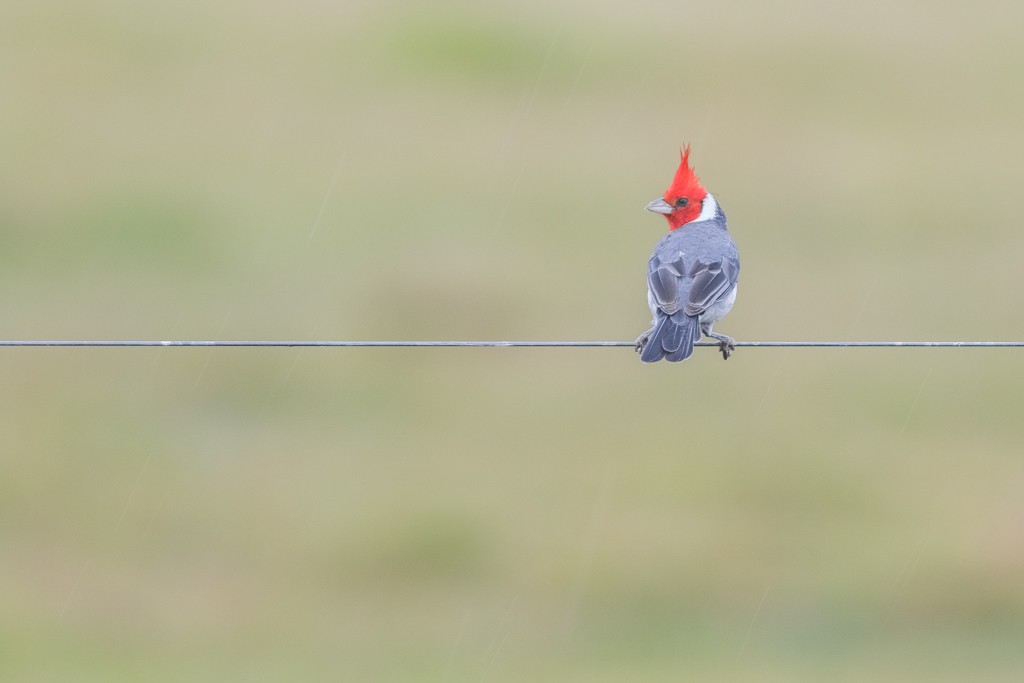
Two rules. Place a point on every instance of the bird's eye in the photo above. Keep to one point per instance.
(682, 201)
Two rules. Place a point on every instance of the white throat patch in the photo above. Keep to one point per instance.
(708, 209)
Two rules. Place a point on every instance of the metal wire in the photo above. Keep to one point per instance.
(574, 344)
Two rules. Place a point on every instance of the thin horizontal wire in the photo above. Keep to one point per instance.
(575, 344)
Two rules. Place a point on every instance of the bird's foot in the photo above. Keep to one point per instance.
(726, 344)
(642, 340)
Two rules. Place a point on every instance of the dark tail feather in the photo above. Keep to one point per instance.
(672, 339)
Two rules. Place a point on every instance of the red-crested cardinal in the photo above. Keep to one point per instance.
(691, 277)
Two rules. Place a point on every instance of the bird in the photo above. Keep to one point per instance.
(692, 274)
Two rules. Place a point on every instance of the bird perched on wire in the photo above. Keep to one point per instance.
(691, 277)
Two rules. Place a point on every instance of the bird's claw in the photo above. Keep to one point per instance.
(726, 346)
(641, 341)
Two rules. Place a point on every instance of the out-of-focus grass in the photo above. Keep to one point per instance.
(367, 171)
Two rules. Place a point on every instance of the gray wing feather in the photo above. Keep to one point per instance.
(664, 284)
(711, 281)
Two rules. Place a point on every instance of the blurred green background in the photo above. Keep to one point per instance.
(369, 170)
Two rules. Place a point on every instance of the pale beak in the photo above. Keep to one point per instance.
(659, 205)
